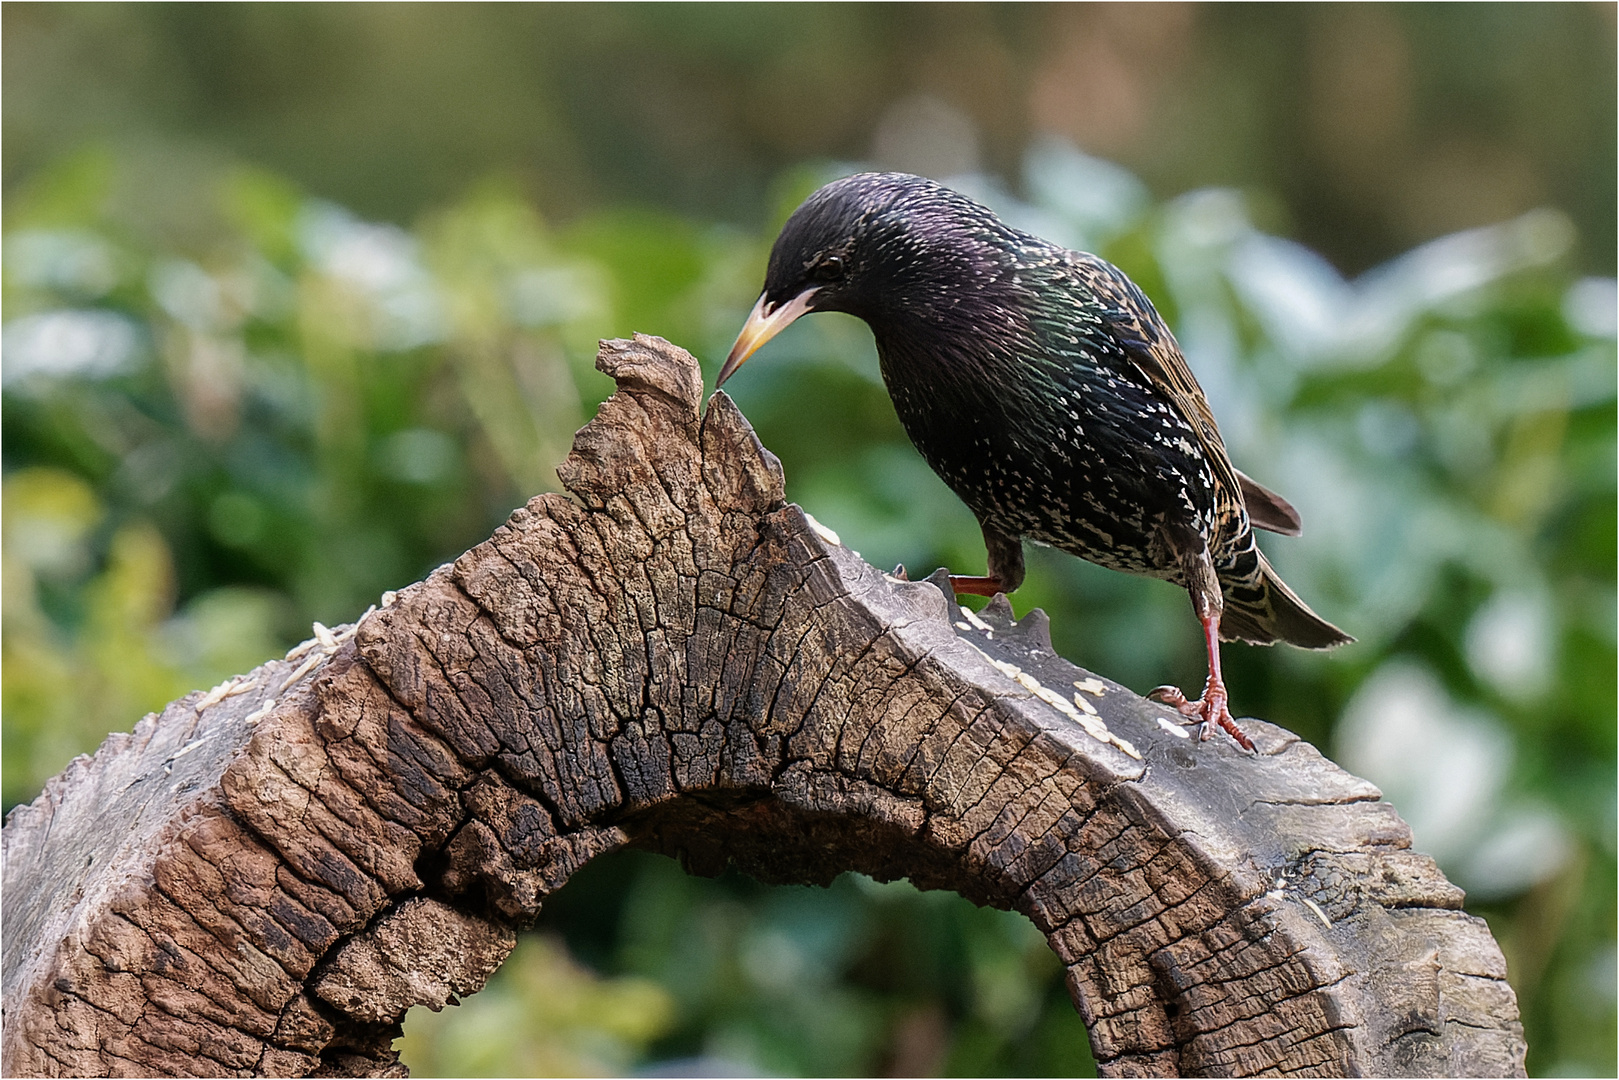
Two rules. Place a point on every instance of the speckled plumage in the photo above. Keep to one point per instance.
(1043, 387)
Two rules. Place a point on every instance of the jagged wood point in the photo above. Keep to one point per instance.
(264, 878)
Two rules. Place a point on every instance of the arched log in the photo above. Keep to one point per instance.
(265, 877)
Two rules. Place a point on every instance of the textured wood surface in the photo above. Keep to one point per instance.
(264, 878)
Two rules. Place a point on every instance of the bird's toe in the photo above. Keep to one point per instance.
(1176, 699)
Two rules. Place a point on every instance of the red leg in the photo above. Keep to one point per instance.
(1203, 587)
(1005, 556)
(1212, 707)
(976, 586)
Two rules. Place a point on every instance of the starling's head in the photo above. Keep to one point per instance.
(866, 245)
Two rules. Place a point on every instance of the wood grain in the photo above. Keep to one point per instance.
(261, 880)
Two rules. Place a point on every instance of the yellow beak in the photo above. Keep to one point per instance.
(765, 321)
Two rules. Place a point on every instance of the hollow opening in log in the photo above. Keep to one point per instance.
(829, 830)
(729, 975)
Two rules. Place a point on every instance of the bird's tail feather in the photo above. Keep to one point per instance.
(1261, 609)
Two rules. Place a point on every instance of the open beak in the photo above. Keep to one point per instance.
(765, 321)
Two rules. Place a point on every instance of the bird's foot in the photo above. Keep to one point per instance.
(976, 586)
(899, 573)
(1209, 711)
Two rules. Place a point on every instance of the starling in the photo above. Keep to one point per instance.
(1045, 390)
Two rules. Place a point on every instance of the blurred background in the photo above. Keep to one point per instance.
(301, 300)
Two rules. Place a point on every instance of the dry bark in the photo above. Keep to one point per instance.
(263, 879)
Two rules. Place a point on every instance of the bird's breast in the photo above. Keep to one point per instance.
(1086, 461)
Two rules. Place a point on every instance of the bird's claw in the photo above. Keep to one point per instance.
(1175, 699)
(1209, 711)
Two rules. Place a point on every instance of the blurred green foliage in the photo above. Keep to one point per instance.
(1367, 127)
(225, 423)
(543, 1015)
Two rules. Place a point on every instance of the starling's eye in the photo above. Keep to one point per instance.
(828, 269)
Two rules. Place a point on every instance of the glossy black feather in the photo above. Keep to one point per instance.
(1042, 386)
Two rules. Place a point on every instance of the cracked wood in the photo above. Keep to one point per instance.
(262, 879)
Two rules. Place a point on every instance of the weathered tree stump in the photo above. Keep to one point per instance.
(264, 878)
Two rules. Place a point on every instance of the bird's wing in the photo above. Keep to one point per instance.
(1267, 509)
(1131, 320)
